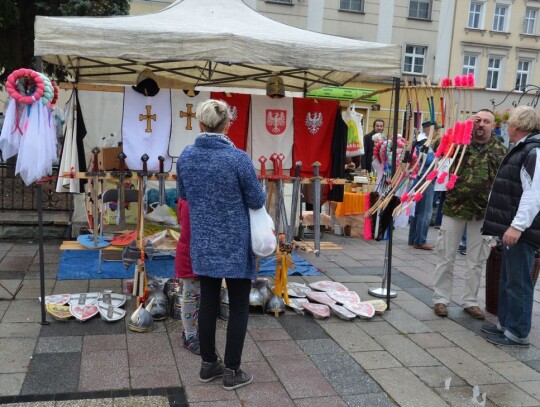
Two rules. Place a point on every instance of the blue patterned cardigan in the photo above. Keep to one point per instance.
(220, 184)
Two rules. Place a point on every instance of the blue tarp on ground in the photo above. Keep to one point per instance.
(302, 267)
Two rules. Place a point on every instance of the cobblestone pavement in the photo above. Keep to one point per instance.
(408, 356)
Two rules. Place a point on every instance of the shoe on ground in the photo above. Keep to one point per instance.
(233, 380)
(462, 250)
(424, 246)
(210, 371)
(502, 340)
(441, 310)
(475, 312)
(492, 329)
(192, 344)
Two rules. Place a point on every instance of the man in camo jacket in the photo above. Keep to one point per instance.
(465, 207)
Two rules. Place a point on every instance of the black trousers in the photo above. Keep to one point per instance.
(239, 290)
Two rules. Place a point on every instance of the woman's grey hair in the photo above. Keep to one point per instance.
(214, 115)
(524, 118)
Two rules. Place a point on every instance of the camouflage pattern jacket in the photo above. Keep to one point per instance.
(468, 199)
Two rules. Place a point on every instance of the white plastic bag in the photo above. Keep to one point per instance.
(263, 240)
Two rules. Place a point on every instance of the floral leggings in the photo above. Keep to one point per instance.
(191, 294)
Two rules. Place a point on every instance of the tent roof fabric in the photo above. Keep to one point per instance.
(208, 43)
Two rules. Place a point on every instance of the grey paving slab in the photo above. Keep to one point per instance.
(302, 327)
(468, 368)
(418, 310)
(530, 355)
(264, 394)
(71, 286)
(15, 263)
(276, 334)
(284, 347)
(376, 328)
(53, 373)
(319, 346)
(151, 349)
(149, 401)
(535, 364)
(530, 387)
(23, 311)
(515, 371)
(212, 392)
(350, 337)
(405, 388)
(19, 330)
(221, 403)
(406, 351)
(461, 396)
(261, 371)
(435, 376)
(375, 359)
(11, 383)
(443, 325)
(405, 322)
(430, 340)
(104, 342)
(508, 395)
(477, 346)
(369, 399)
(261, 322)
(94, 326)
(59, 344)
(104, 370)
(16, 354)
(344, 374)
(150, 377)
(333, 401)
(346, 279)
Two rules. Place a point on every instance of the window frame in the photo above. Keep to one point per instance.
(520, 73)
(414, 55)
(494, 70)
(527, 19)
(470, 68)
(497, 26)
(350, 10)
(417, 16)
(285, 2)
(480, 13)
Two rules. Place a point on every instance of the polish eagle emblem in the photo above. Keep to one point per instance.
(234, 113)
(314, 121)
(276, 121)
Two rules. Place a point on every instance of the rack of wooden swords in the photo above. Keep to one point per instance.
(96, 177)
(455, 110)
(285, 224)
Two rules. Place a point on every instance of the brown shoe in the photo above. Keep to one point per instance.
(440, 310)
(475, 312)
(424, 246)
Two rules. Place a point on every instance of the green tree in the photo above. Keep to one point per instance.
(17, 27)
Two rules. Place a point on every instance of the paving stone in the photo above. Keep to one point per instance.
(19, 330)
(515, 371)
(468, 368)
(508, 395)
(534, 364)
(149, 377)
(477, 346)
(418, 310)
(221, 403)
(300, 377)
(23, 311)
(53, 373)
(351, 338)
(406, 351)
(529, 354)
(405, 388)
(423, 294)
(104, 370)
(444, 324)
(375, 360)
(94, 326)
(348, 278)
(369, 399)
(71, 286)
(404, 322)
(435, 376)
(376, 328)
(261, 371)
(430, 340)
(460, 397)
(11, 383)
(530, 387)
(302, 327)
(16, 354)
(59, 344)
(276, 334)
(188, 364)
(151, 349)
(153, 401)
(264, 394)
(213, 391)
(263, 322)
(92, 343)
(334, 401)
(344, 374)
(15, 263)
(319, 346)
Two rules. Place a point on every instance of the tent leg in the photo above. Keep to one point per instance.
(41, 254)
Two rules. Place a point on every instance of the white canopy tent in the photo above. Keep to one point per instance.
(208, 43)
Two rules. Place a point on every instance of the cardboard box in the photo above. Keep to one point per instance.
(108, 158)
(111, 213)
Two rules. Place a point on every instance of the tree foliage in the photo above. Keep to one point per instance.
(17, 27)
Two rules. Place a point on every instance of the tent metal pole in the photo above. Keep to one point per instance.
(39, 68)
(396, 85)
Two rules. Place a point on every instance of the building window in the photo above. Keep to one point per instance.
(352, 5)
(493, 73)
(469, 64)
(280, 1)
(475, 15)
(522, 74)
(500, 17)
(420, 9)
(415, 57)
(529, 22)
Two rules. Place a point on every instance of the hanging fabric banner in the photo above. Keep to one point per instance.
(355, 135)
(239, 105)
(314, 122)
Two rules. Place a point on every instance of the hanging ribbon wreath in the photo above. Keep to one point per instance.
(23, 81)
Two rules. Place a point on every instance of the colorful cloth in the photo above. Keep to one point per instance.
(239, 106)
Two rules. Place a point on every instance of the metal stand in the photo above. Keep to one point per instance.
(41, 254)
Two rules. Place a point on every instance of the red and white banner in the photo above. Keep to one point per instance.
(239, 106)
(272, 129)
(314, 122)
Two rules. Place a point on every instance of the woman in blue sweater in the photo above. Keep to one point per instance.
(220, 184)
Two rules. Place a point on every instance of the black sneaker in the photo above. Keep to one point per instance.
(502, 340)
(233, 380)
(462, 250)
(492, 329)
(192, 344)
(210, 371)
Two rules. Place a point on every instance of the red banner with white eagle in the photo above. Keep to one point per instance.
(313, 131)
(239, 107)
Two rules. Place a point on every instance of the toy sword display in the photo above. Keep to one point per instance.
(161, 177)
(294, 204)
(317, 208)
(121, 174)
(95, 173)
(144, 174)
